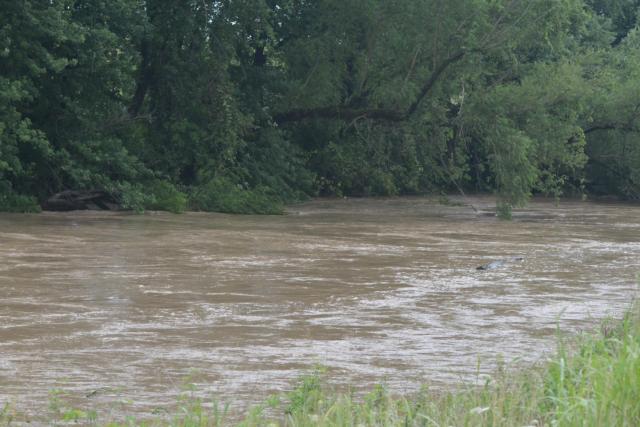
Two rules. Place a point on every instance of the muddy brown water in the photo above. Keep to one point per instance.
(126, 308)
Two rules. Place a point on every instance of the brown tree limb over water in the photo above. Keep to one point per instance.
(349, 113)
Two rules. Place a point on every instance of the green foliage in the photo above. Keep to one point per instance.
(273, 163)
(345, 97)
(304, 398)
(598, 384)
(621, 14)
(223, 195)
(12, 202)
(613, 129)
(165, 197)
(155, 194)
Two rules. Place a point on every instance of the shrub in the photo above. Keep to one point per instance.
(12, 202)
(222, 195)
(165, 197)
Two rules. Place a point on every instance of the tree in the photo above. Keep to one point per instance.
(243, 106)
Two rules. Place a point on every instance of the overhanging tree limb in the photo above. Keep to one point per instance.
(611, 126)
(339, 113)
(435, 76)
(349, 113)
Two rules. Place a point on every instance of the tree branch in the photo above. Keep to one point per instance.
(350, 113)
(610, 126)
(433, 80)
(339, 113)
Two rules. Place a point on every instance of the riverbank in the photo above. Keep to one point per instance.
(591, 380)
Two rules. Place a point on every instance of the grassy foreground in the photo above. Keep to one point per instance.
(594, 381)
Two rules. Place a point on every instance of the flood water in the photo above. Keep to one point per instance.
(376, 290)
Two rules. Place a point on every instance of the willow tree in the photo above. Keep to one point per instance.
(613, 125)
(402, 83)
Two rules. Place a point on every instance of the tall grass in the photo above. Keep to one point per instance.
(594, 380)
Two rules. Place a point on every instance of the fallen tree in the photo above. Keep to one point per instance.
(72, 200)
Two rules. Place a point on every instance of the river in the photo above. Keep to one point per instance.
(127, 308)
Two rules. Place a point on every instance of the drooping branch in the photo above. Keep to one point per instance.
(435, 76)
(632, 186)
(495, 38)
(603, 126)
(611, 126)
(339, 113)
(349, 113)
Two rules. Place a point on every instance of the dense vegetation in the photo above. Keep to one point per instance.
(241, 106)
(594, 381)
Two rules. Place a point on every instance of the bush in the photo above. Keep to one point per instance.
(156, 195)
(12, 202)
(222, 195)
(165, 197)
